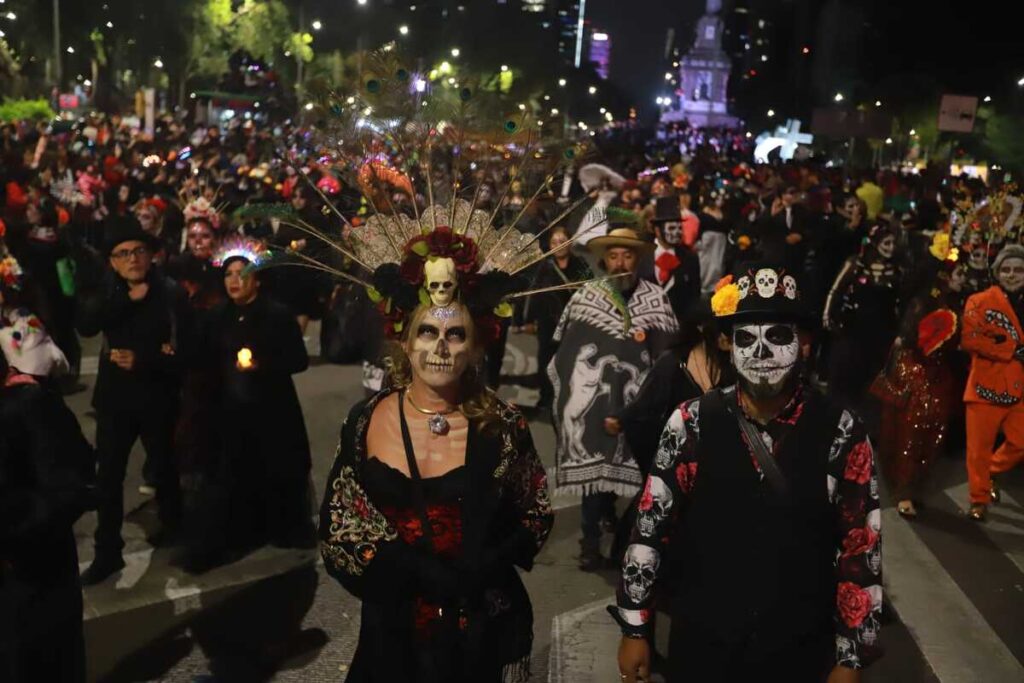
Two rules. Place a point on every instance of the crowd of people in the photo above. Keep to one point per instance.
(708, 331)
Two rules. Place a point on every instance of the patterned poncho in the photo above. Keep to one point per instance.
(607, 345)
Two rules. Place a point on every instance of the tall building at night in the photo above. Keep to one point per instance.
(601, 52)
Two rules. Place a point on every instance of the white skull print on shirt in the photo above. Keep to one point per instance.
(639, 570)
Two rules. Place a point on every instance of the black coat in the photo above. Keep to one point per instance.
(148, 327)
(45, 471)
(263, 400)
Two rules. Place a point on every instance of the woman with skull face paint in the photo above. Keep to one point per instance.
(783, 581)
(861, 311)
(437, 493)
(994, 338)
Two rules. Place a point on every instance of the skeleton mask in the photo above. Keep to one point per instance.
(655, 505)
(978, 258)
(789, 287)
(672, 233)
(765, 356)
(744, 284)
(441, 278)
(766, 280)
(439, 346)
(1011, 274)
(887, 247)
(639, 570)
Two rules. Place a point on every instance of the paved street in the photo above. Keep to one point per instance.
(956, 589)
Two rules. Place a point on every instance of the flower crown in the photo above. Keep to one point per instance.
(251, 249)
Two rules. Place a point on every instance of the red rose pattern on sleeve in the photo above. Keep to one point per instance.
(853, 489)
(671, 479)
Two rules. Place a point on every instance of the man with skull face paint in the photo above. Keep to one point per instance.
(779, 538)
(995, 339)
(672, 266)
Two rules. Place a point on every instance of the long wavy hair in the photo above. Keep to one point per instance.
(479, 402)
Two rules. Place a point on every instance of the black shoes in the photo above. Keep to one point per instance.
(101, 568)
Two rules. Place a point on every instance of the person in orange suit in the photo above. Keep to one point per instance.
(993, 335)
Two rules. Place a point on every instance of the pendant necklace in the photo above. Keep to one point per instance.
(437, 421)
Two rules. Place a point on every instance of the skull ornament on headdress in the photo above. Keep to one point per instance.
(441, 277)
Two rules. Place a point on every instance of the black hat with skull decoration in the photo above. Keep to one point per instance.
(759, 292)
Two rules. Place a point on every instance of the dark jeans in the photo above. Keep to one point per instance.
(116, 433)
(595, 507)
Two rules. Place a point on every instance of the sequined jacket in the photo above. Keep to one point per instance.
(991, 334)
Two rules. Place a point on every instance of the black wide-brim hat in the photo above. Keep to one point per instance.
(121, 229)
(759, 292)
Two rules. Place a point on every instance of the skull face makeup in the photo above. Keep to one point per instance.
(766, 356)
(887, 247)
(441, 278)
(440, 346)
(1011, 274)
(978, 258)
(671, 233)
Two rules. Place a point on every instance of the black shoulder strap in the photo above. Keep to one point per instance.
(414, 474)
(765, 460)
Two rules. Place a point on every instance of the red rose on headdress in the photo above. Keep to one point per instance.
(854, 603)
(858, 463)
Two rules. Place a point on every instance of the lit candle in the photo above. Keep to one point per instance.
(244, 358)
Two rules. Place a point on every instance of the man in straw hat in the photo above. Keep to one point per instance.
(609, 336)
(769, 490)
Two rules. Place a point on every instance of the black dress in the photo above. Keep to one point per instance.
(453, 609)
(262, 472)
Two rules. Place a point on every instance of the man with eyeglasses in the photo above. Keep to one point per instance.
(143, 317)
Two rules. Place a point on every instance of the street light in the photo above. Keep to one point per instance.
(12, 16)
(317, 25)
(988, 98)
(913, 132)
(592, 90)
(360, 2)
(561, 82)
(878, 103)
(504, 68)
(403, 29)
(1021, 82)
(888, 141)
(771, 113)
(110, 24)
(554, 112)
(158, 63)
(71, 50)
(838, 97)
(456, 52)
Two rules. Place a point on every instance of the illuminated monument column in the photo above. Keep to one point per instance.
(704, 76)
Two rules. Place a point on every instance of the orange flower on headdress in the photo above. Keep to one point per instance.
(743, 242)
(726, 300)
(727, 280)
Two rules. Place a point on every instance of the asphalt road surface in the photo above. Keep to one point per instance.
(955, 589)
